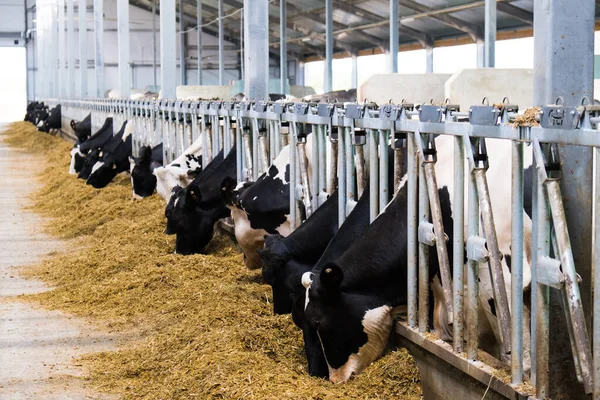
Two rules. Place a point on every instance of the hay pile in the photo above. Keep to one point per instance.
(528, 118)
(201, 326)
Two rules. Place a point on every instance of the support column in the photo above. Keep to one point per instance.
(256, 48)
(168, 63)
(99, 46)
(283, 72)
(480, 54)
(328, 83)
(71, 48)
(182, 64)
(123, 34)
(300, 72)
(394, 41)
(62, 62)
(54, 36)
(429, 60)
(154, 44)
(221, 50)
(489, 52)
(354, 80)
(199, 38)
(83, 49)
(564, 66)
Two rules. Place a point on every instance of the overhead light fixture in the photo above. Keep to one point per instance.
(407, 19)
(306, 39)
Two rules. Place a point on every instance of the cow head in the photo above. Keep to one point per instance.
(72, 125)
(102, 174)
(274, 256)
(353, 328)
(191, 218)
(143, 181)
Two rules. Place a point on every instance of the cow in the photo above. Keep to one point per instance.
(285, 258)
(53, 122)
(180, 172)
(82, 129)
(263, 207)
(143, 181)
(114, 159)
(79, 153)
(30, 113)
(193, 211)
(350, 303)
(348, 307)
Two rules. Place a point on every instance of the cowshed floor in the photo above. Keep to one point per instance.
(38, 348)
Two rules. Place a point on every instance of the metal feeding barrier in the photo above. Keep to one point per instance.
(328, 150)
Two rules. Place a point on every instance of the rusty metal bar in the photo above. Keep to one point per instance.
(428, 168)
(423, 248)
(458, 244)
(517, 264)
(306, 195)
(412, 219)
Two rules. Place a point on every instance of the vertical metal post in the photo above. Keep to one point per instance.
(517, 264)
(394, 28)
(62, 72)
(182, 64)
(71, 48)
(154, 44)
(83, 92)
(99, 45)
(354, 73)
(472, 270)
(300, 73)
(490, 34)
(168, 64)
(341, 174)
(373, 175)
(563, 66)
(542, 225)
(123, 39)
(480, 54)
(54, 51)
(458, 243)
(596, 309)
(423, 248)
(256, 49)
(242, 71)
(221, 49)
(199, 42)
(383, 168)
(412, 217)
(429, 60)
(283, 73)
(328, 86)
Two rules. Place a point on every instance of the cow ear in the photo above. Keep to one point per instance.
(331, 277)
(72, 124)
(227, 187)
(193, 194)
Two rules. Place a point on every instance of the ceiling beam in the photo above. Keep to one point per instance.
(421, 37)
(517, 12)
(472, 30)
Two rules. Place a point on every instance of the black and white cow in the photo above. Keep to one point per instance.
(349, 304)
(80, 152)
(180, 172)
(82, 129)
(193, 211)
(263, 207)
(285, 259)
(53, 122)
(114, 158)
(30, 112)
(143, 181)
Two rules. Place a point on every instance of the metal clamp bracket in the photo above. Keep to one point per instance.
(430, 113)
(477, 249)
(559, 116)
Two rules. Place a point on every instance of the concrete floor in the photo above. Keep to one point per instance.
(37, 347)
